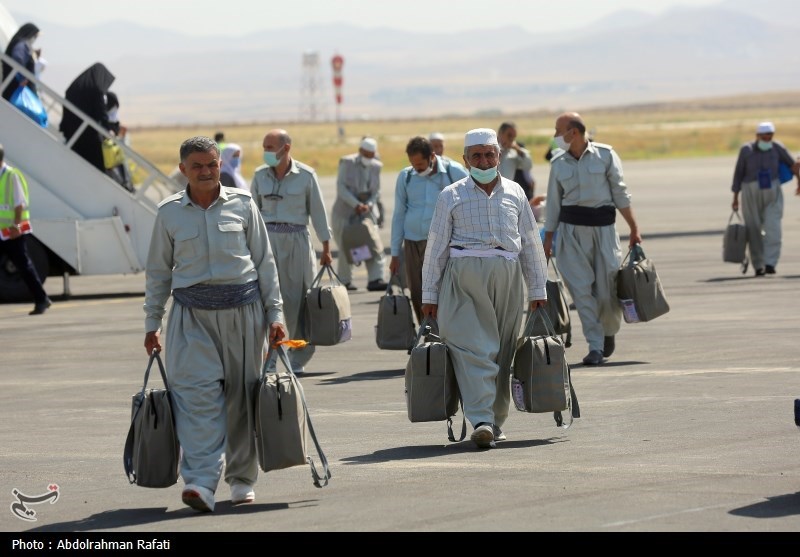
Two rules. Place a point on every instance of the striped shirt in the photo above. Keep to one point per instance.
(468, 218)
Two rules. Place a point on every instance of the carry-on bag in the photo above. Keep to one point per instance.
(361, 239)
(557, 308)
(734, 242)
(432, 393)
(282, 422)
(639, 289)
(327, 310)
(395, 329)
(152, 452)
(541, 380)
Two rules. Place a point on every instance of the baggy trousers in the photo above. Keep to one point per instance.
(213, 361)
(297, 267)
(589, 258)
(763, 211)
(479, 315)
(414, 253)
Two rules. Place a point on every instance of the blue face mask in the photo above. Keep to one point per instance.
(235, 162)
(764, 145)
(483, 176)
(271, 158)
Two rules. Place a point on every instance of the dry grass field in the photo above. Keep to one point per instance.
(697, 128)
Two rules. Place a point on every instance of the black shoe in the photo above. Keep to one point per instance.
(770, 270)
(760, 272)
(593, 358)
(377, 285)
(39, 309)
(608, 346)
(350, 286)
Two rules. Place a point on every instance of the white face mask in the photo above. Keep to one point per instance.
(427, 171)
(561, 144)
(365, 161)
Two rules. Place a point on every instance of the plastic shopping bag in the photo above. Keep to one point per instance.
(30, 103)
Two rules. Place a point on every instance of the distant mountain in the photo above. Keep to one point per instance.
(165, 77)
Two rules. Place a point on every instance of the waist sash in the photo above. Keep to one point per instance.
(217, 296)
(284, 227)
(588, 216)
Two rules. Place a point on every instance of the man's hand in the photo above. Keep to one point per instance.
(325, 258)
(547, 245)
(152, 342)
(394, 265)
(735, 204)
(430, 310)
(537, 303)
(362, 208)
(277, 332)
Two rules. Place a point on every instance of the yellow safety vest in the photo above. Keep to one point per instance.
(7, 212)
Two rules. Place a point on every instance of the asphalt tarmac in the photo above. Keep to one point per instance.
(688, 427)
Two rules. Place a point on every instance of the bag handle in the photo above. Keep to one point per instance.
(394, 280)
(450, 435)
(320, 480)
(539, 312)
(155, 356)
(332, 277)
(635, 254)
(735, 213)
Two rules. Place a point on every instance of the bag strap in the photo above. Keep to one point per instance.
(574, 407)
(394, 280)
(320, 480)
(450, 435)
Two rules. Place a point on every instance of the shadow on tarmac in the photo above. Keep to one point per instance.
(773, 507)
(366, 376)
(433, 451)
(122, 518)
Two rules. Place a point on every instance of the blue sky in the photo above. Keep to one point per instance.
(235, 17)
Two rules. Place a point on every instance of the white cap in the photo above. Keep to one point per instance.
(435, 136)
(765, 127)
(369, 144)
(480, 136)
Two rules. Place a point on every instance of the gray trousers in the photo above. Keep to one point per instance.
(414, 257)
(763, 211)
(588, 260)
(375, 265)
(297, 267)
(213, 363)
(479, 315)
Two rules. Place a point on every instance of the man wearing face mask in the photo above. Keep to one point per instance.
(415, 193)
(484, 259)
(756, 177)
(585, 191)
(358, 188)
(288, 195)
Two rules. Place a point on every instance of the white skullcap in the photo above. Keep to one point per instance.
(765, 127)
(480, 136)
(436, 135)
(369, 144)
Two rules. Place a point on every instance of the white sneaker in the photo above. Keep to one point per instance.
(242, 493)
(198, 497)
(498, 434)
(483, 436)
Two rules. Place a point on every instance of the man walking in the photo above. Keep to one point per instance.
(415, 194)
(585, 190)
(757, 178)
(288, 195)
(515, 160)
(358, 189)
(210, 249)
(483, 249)
(15, 227)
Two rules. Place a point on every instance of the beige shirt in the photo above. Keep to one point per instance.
(294, 199)
(224, 244)
(510, 161)
(595, 180)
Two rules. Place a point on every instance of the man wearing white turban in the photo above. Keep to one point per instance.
(358, 189)
(757, 178)
(483, 249)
